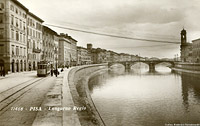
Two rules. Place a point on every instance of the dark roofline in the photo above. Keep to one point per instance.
(196, 40)
(33, 15)
(27, 10)
(50, 30)
(80, 47)
(67, 36)
(72, 39)
(21, 5)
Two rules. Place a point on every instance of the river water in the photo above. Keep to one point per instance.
(140, 98)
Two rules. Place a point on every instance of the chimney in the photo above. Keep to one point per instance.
(89, 46)
(62, 34)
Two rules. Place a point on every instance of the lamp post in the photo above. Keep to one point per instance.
(56, 62)
(177, 58)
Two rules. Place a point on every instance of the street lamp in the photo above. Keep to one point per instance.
(177, 57)
(56, 62)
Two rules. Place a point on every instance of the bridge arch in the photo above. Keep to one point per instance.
(170, 62)
(151, 64)
(114, 63)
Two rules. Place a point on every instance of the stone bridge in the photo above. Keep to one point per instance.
(151, 63)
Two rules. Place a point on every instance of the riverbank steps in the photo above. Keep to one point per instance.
(78, 84)
(58, 108)
(53, 98)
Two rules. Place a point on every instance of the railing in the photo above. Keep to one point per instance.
(36, 50)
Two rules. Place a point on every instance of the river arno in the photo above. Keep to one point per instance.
(140, 98)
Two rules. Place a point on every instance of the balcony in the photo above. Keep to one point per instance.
(36, 50)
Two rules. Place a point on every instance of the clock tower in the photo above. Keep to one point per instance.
(186, 48)
(183, 37)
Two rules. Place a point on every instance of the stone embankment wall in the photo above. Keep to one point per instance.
(188, 66)
(78, 84)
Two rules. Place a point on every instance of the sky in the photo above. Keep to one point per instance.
(160, 20)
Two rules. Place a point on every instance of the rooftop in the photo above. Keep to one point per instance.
(49, 30)
(196, 40)
(19, 4)
(36, 17)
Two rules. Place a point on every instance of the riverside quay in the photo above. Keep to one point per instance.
(102, 63)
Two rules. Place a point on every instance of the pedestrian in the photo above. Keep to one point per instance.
(51, 72)
(4, 72)
(1, 72)
(55, 72)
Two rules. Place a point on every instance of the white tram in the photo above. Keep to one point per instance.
(43, 69)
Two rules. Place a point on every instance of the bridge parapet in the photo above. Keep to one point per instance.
(151, 63)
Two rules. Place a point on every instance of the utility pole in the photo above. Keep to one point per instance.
(175, 57)
(56, 62)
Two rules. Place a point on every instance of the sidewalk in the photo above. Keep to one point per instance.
(57, 106)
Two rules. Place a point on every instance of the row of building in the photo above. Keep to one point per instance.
(25, 41)
(190, 52)
(92, 55)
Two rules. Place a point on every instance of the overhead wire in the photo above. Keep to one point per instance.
(145, 46)
(116, 31)
(115, 36)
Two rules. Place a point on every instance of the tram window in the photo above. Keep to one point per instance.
(43, 66)
(39, 66)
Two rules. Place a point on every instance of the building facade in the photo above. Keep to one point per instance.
(83, 56)
(135, 58)
(34, 43)
(67, 51)
(196, 51)
(73, 51)
(50, 45)
(56, 48)
(13, 41)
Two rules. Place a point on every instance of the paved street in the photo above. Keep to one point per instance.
(21, 111)
(25, 100)
(14, 79)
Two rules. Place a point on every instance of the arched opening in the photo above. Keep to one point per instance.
(29, 66)
(139, 67)
(17, 66)
(21, 65)
(116, 65)
(197, 60)
(2, 67)
(163, 67)
(34, 65)
(24, 65)
(13, 65)
(117, 68)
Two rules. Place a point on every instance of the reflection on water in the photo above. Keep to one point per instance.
(138, 98)
(190, 90)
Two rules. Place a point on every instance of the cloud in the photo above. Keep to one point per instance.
(135, 14)
(149, 19)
